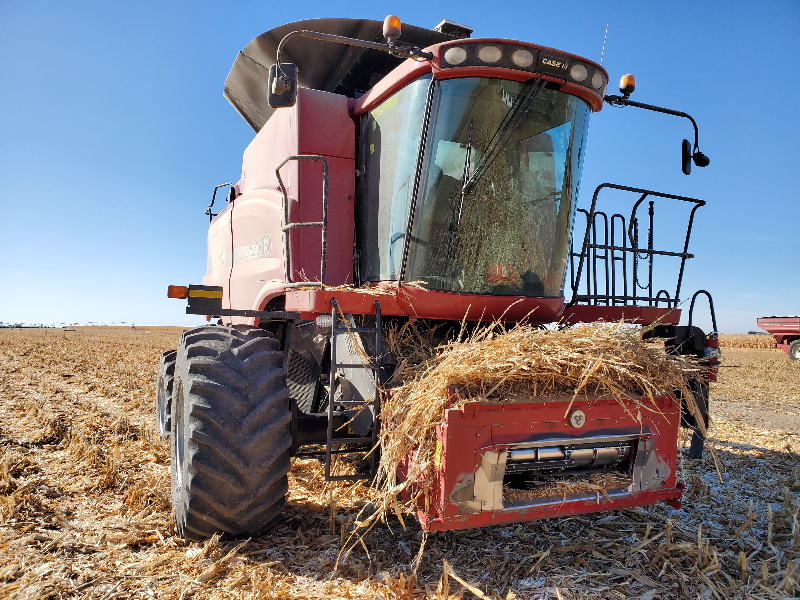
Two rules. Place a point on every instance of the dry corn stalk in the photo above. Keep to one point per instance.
(494, 365)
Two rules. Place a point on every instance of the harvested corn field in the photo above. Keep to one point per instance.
(84, 504)
(758, 341)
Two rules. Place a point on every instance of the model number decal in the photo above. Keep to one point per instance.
(260, 248)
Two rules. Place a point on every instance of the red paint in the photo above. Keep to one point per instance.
(642, 315)
(471, 430)
(318, 124)
(427, 304)
(711, 363)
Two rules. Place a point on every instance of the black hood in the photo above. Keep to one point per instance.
(325, 66)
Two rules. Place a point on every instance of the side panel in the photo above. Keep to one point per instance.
(276, 140)
(318, 124)
(218, 260)
(325, 128)
(306, 242)
(258, 250)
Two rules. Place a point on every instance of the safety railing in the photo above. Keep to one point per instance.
(612, 268)
(287, 226)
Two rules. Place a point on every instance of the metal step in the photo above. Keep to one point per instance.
(373, 365)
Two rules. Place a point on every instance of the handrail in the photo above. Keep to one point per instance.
(710, 305)
(208, 212)
(289, 226)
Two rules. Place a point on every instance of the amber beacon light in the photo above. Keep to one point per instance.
(391, 28)
(627, 83)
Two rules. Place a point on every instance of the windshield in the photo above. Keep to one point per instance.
(390, 144)
(509, 233)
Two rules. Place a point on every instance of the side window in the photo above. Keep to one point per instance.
(389, 146)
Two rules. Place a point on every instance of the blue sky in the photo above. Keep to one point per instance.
(113, 132)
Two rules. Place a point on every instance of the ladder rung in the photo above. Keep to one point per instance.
(346, 477)
(352, 403)
(356, 330)
(354, 366)
(338, 441)
(293, 225)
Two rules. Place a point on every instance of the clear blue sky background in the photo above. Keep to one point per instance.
(113, 132)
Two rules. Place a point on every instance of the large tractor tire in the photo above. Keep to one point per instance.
(794, 350)
(164, 379)
(231, 432)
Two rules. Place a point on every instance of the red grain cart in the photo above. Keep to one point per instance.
(786, 331)
(432, 158)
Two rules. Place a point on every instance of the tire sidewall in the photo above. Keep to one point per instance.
(164, 386)
(179, 441)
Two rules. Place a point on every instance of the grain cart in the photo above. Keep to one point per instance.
(429, 158)
(786, 331)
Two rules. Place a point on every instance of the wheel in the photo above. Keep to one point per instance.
(231, 432)
(164, 379)
(794, 350)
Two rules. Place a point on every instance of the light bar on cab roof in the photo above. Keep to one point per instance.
(523, 58)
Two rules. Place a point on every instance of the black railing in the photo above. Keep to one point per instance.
(610, 269)
(333, 444)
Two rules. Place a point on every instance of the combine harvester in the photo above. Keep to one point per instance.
(445, 170)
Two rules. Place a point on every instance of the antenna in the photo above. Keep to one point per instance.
(604, 45)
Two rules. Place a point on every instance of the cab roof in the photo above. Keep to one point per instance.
(337, 68)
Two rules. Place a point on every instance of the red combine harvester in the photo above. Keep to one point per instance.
(388, 160)
(786, 331)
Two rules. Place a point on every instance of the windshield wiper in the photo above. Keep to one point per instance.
(456, 222)
(507, 128)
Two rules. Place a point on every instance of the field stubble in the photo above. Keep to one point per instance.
(84, 504)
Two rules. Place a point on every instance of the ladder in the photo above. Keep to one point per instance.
(334, 445)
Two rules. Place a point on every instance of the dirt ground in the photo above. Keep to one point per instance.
(84, 502)
(759, 388)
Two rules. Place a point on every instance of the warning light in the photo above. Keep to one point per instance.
(391, 28)
(177, 291)
(627, 83)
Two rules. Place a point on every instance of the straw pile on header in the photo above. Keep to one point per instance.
(494, 365)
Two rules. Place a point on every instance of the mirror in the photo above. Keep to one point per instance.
(282, 91)
(700, 159)
(686, 157)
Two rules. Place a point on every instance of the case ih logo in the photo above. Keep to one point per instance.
(552, 62)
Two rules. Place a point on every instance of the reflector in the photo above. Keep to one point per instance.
(177, 291)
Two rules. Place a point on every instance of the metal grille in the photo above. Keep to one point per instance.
(302, 377)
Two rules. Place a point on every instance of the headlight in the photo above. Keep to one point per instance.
(597, 80)
(489, 54)
(578, 72)
(455, 55)
(522, 58)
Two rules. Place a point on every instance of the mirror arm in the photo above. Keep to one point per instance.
(404, 51)
(622, 101)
